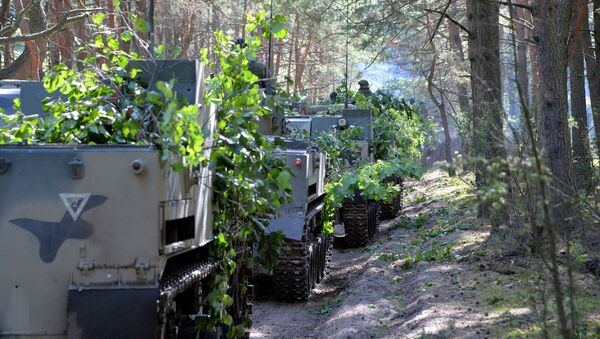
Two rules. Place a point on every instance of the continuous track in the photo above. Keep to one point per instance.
(356, 223)
(188, 278)
(302, 264)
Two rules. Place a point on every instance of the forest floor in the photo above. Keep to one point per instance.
(430, 273)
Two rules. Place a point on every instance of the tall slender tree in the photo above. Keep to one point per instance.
(486, 86)
(552, 23)
(592, 65)
(581, 144)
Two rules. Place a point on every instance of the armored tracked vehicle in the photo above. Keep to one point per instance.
(306, 252)
(106, 241)
(357, 221)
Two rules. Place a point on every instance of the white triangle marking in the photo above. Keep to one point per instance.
(75, 202)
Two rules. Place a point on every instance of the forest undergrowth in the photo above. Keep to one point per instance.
(433, 272)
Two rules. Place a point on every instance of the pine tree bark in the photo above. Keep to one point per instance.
(29, 64)
(551, 35)
(521, 62)
(458, 56)
(592, 66)
(440, 104)
(551, 22)
(582, 158)
(486, 88)
(455, 43)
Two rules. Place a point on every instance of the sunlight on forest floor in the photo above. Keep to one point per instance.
(477, 292)
(433, 272)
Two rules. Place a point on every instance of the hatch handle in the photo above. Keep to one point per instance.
(77, 166)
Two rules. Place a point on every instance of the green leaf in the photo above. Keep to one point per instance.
(250, 28)
(126, 36)
(113, 44)
(154, 97)
(141, 25)
(98, 18)
(283, 180)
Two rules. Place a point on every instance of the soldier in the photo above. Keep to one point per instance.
(365, 88)
(259, 69)
(333, 97)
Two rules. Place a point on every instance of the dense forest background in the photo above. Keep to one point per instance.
(431, 49)
(514, 86)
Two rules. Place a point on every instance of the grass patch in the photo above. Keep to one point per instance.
(421, 220)
(433, 253)
(503, 298)
(418, 200)
(589, 329)
(441, 212)
(398, 299)
(408, 223)
(326, 306)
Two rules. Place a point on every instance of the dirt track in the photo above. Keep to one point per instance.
(468, 291)
(273, 319)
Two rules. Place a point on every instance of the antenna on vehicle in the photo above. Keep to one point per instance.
(151, 24)
(347, 43)
(270, 52)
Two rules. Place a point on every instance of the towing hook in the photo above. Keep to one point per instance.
(77, 167)
(4, 165)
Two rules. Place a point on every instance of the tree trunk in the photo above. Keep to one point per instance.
(592, 65)
(244, 19)
(278, 57)
(301, 62)
(551, 33)
(551, 36)
(293, 43)
(486, 86)
(29, 64)
(508, 76)
(582, 159)
(447, 139)
(521, 62)
(443, 114)
(455, 44)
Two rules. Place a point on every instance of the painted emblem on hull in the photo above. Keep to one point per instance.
(51, 235)
(75, 202)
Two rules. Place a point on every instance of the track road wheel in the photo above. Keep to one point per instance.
(328, 253)
(356, 223)
(326, 250)
(313, 265)
(320, 257)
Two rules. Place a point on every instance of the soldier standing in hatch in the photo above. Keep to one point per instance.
(365, 88)
(259, 69)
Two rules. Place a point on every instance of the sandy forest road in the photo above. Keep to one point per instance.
(274, 319)
(357, 299)
(426, 275)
